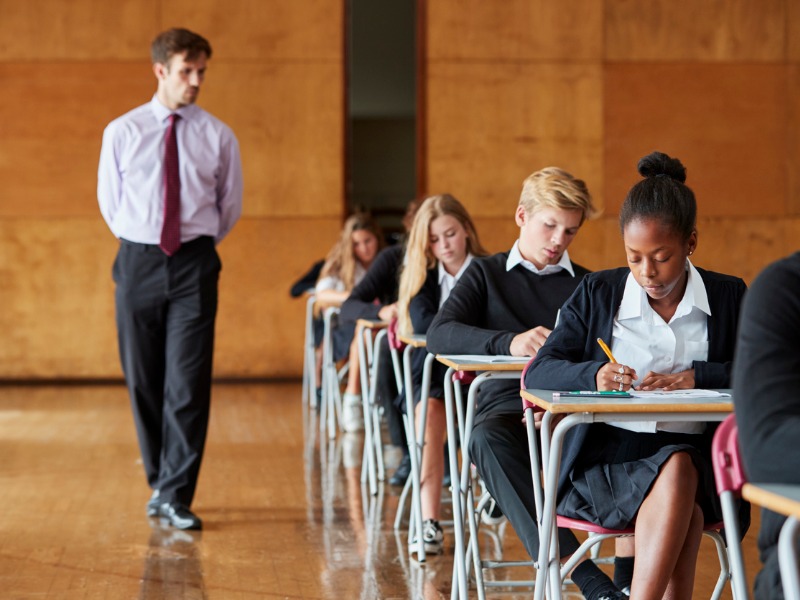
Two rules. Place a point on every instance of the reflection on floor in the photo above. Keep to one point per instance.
(285, 513)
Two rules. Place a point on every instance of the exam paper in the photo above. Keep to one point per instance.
(679, 394)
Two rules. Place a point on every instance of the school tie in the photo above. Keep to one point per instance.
(171, 230)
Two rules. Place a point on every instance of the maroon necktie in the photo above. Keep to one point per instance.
(171, 230)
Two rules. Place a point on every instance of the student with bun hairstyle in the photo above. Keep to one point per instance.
(441, 244)
(672, 326)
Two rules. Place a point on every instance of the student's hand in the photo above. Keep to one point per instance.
(613, 376)
(674, 381)
(528, 342)
(388, 312)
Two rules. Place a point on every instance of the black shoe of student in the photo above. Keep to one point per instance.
(446, 481)
(153, 504)
(179, 516)
(402, 472)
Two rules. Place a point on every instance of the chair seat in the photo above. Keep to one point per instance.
(581, 525)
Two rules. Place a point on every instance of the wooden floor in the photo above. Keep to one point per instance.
(284, 516)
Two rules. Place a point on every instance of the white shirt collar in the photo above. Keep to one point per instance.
(515, 258)
(453, 278)
(634, 298)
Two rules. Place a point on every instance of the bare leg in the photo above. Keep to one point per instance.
(665, 530)
(353, 374)
(432, 468)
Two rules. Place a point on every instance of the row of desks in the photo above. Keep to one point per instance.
(784, 499)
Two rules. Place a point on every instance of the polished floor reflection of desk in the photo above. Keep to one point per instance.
(285, 514)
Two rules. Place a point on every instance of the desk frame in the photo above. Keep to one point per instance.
(462, 491)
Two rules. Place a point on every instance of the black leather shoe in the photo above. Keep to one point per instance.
(402, 472)
(179, 516)
(153, 504)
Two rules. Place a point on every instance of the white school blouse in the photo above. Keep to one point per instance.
(447, 282)
(642, 340)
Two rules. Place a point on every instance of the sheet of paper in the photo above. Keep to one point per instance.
(679, 394)
(484, 358)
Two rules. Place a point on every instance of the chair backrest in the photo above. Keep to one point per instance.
(728, 468)
(392, 336)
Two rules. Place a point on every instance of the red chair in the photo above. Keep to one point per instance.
(729, 477)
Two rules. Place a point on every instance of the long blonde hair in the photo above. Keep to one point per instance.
(419, 258)
(341, 260)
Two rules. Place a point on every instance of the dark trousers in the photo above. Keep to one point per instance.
(387, 394)
(166, 308)
(499, 449)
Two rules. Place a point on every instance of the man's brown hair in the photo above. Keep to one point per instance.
(177, 41)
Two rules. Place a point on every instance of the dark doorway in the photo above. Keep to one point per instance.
(382, 108)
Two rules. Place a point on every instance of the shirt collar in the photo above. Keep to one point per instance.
(515, 258)
(162, 112)
(634, 296)
(453, 278)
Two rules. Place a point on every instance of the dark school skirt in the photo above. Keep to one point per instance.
(618, 467)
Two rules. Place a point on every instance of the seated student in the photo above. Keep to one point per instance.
(507, 304)
(766, 381)
(375, 297)
(345, 266)
(672, 326)
(441, 244)
(307, 280)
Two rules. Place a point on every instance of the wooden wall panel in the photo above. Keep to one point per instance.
(77, 30)
(714, 30)
(58, 297)
(727, 124)
(490, 126)
(290, 129)
(52, 118)
(264, 29)
(793, 139)
(793, 31)
(743, 247)
(259, 326)
(570, 30)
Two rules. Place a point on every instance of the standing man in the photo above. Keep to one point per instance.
(170, 188)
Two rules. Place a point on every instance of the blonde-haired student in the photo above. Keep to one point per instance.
(507, 304)
(441, 244)
(345, 266)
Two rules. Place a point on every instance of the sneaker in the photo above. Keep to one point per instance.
(615, 595)
(352, 413)
(432, 537)
(491, 514)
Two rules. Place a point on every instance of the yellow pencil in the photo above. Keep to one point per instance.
(607, 350)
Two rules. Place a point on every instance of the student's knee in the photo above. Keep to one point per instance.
(680, 469)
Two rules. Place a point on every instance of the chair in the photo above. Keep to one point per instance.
(729, 477)
(597, 534)
(787, 558)
(331, 401)
(369, 357)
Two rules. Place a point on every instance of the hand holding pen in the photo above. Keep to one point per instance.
(612, 375)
